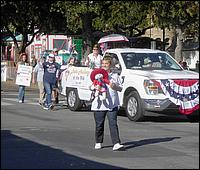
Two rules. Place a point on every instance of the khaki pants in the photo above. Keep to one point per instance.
(41, 91)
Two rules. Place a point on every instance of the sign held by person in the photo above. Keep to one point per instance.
(3, 71)
(24, 75)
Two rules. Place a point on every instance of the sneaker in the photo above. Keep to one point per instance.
(97, 146)
(46, 108)
(118, 147)
(20, 101)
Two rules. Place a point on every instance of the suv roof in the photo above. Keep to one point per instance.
(140, 50)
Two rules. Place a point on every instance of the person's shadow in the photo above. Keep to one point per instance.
(21, 153)
(133, 144)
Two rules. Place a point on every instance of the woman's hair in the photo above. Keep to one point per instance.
(22, 54)
(95, 46)
(70, 58)
(107, 57)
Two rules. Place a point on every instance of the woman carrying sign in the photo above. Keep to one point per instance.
(23, 60)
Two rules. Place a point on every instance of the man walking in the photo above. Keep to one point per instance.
(38, 72)
(49, 79)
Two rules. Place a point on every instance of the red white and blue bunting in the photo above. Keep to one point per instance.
(184, 93)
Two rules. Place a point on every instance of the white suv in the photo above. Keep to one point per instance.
(152, 81)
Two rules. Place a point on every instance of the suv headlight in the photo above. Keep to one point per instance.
(151, 87)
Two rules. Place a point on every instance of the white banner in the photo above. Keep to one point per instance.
(78, 76)
(24, 75)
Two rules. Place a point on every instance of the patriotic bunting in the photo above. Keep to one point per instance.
(184, 93)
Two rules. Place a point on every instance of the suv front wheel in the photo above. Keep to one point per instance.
(133, 106)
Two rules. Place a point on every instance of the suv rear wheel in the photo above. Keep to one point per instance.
(73, 101)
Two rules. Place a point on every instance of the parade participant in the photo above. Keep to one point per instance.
(71, 62)
(23, 60)
(55, 94)
(49, 79)
(38, 72)
(108, 107)
(33, 61)
(94, 59)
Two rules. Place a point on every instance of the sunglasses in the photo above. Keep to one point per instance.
(95, 49)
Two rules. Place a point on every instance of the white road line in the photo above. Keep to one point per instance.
(6, 104)
(10, 99)
(9, 93)
(16, 100)
(31, 103)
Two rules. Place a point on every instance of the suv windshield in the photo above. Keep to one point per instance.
(149, 61)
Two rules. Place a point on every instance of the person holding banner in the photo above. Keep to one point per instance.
(23, 60)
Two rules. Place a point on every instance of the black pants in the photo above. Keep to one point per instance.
(99, 117)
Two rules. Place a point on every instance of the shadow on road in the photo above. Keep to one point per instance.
(134, 144)
(162, 118)
(20, 153)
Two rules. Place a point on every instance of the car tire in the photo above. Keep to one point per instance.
(73, 101)
(134, 107)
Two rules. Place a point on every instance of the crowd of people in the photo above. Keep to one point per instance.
(47, 74)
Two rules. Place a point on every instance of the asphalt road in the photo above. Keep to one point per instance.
(61, 139)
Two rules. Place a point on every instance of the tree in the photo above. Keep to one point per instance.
(88, 17)
(27, 17)
(178, 15)
(126, 17)
(79, 16)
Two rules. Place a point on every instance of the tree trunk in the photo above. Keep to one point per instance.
(87, 32)
(179, 43)
(163, 47)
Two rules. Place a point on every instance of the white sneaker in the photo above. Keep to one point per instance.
(20, 101)
(118, 147)
(97, 146)
(45, 108)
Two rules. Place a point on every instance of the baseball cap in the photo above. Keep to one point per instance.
(51, 55)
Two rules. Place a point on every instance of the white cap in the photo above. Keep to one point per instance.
(51, 55)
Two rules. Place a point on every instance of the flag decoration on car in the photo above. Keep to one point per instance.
(184, 93)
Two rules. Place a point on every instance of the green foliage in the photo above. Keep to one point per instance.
(106, 16)
(83, 18)
(175, 13)
(24, 17)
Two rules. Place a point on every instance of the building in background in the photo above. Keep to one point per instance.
(40, 44)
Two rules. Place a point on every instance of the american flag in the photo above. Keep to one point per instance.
(184, 93)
